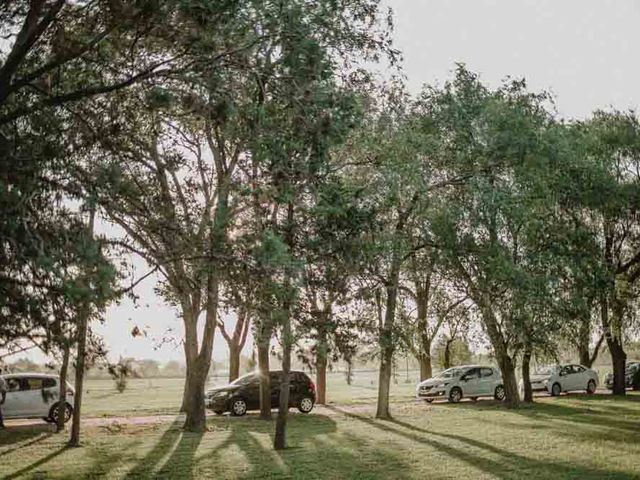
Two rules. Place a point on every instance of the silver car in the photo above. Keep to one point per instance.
(555, 379)
(472, 381)
(35, 395)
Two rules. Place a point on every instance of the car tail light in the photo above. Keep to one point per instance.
(70, 392)
(312, 386)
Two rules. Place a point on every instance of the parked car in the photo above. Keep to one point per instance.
(631, 376)
(243, 394)
(455, 383)
(555, 379)
(35, 395)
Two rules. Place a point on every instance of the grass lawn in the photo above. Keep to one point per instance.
(163, 395)
(577, 437)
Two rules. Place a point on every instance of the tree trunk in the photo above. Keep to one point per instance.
(321, 369)
(526, 374)
(74, 440)
(614, 342)
(199, 359)
(619, 361)
(234, 362)
(264, 339)
(280, 439)
(447, 353)
(83, 326)
(349, 373)
(426, 369)
(62, 397)
(386, 346)
(508, 370)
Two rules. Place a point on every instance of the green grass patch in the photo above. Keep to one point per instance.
(577, 437)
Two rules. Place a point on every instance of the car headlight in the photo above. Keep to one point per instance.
(440, 385)
(545, 382)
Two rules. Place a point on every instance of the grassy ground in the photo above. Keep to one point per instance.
(163, 395)
(576, 437)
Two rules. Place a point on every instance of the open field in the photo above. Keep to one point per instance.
(574, 436)
(163, 395)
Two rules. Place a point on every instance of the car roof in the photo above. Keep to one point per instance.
(32, 375)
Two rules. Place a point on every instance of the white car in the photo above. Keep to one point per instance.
(35, 395)
(455, 383)
(555, 379)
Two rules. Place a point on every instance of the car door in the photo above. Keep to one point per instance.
(571, 378)
(487, 381)
(581, 377)
(36, 397)
(470, 383)
(14, 406)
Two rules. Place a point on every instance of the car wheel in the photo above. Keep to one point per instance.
(238, 407)
(53, 413)
(556, 389)
(455, 395)
(305, 405)
(428, 400)
(591, 387)
(499, 393)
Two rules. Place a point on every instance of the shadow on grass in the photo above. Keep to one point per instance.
(16, 438)
(581, 409)
(316, 450)
(36, 464)
(490, 459)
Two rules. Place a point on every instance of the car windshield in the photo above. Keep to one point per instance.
(450, 373)
(548, 370)
(244, 380)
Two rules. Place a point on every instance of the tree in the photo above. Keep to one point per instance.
(489, 228)
(612, 153)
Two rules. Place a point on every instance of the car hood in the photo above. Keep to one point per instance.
(430, 382)
(224, 388)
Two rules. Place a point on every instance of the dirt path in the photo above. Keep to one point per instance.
(168, 418)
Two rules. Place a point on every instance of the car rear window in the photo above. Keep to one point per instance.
(49, 383)
(33, 383)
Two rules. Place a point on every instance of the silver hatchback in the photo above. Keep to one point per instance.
(35, 395)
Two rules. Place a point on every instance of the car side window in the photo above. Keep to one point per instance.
(34, 384)
(49, 383)
(13, 385)
(566, 370)
(578, 368)
(472, 374)
(486, 372)
(274, 379)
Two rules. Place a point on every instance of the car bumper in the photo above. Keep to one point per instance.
(433, 393)
(539, 387)
(216, 404)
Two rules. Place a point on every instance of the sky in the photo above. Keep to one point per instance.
(583, 51)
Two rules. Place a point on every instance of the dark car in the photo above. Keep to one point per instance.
(243, 394)
(631, 376)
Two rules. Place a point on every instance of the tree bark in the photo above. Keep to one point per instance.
(526, 374)
(426, 369)
(321, 368)
(386, 344)
(62, 397)
(614, 342)
(264, 339)
(280, 439)
(234, 362)
(83, 326)
(447, 352)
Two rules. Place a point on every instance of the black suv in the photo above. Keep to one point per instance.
(243, 394)
(631, 376)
